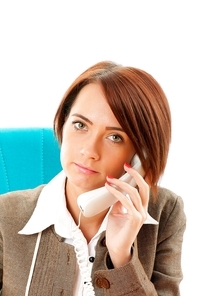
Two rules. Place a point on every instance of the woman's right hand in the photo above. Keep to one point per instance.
(126, 216)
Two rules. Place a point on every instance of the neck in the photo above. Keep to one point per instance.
(88, 225)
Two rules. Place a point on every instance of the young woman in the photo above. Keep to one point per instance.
(109, 114)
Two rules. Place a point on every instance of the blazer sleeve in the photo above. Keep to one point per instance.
(167, 273)
(131, 279)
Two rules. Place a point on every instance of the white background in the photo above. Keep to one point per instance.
(44, 45)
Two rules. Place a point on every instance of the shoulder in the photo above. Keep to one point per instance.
(19, 204)
(168, 198)
(168, 207)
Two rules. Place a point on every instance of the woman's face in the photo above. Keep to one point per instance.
(94, 144)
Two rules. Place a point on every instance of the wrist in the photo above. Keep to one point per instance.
(116, 261)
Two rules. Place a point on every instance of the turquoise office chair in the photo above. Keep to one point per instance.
(28, 157)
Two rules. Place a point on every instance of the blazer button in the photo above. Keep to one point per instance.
(102, 283)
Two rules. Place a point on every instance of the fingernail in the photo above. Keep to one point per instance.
(110, 177)
(127, 165)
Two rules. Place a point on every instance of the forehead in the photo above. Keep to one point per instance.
(91, 102)
(91, 91)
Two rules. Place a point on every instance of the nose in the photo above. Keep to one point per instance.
(91, 149)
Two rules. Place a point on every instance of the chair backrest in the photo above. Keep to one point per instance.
(28, 157)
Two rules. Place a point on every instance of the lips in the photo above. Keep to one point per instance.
(84, 169)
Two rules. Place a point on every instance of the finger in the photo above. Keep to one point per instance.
(130, 201)
(138, 198)
(139, 213)
(142, 186)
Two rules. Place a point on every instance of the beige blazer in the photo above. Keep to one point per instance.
(155, 268)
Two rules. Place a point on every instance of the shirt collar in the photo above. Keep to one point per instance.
(50, 209)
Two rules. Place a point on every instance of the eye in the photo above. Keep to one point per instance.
(78, 125)
(116, 138)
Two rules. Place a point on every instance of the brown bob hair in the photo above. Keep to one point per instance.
(138, 103)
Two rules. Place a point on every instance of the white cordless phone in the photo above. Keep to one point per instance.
(97, 200)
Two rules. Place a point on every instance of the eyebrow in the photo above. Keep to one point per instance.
(90, 122)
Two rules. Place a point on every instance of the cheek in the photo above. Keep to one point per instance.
(65, 150)
(116, 164)
(69, 151)
(65, 153)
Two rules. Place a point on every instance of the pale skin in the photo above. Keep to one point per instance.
(96, 152)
